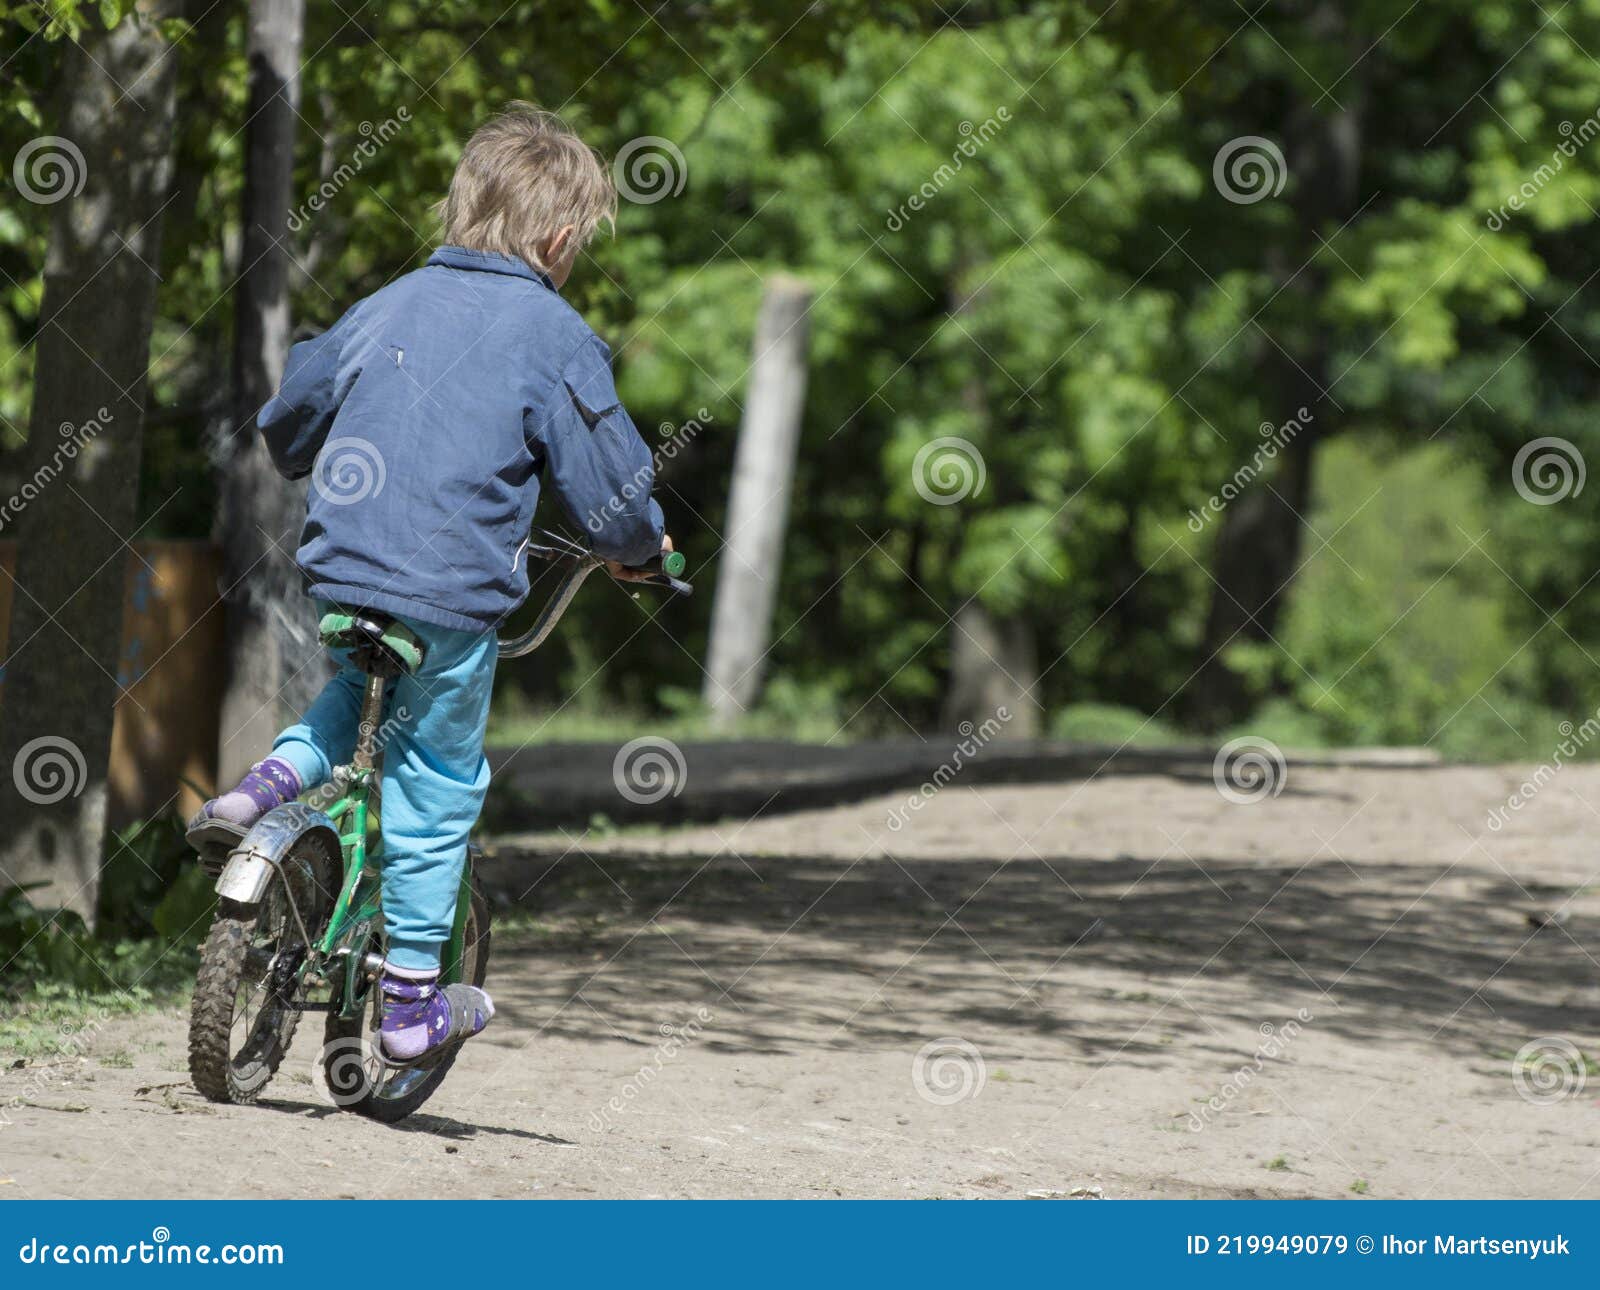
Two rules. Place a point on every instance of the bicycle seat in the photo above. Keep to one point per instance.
(378, 644)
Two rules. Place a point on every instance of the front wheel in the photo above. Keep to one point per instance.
(354, 1077)
(247, 994)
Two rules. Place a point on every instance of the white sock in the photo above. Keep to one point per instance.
(410, 974)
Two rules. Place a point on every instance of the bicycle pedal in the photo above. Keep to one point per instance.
(213, 858)
(425, 1061)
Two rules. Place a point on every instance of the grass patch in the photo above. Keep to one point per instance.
(63, 980)
(53, 1020)
(789, 711)
(1109, 723)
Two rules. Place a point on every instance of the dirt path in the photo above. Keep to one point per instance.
(1130, 984)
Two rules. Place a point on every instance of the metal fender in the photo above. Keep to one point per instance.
(276, 834)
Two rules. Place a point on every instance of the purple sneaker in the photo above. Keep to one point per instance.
(420, 1015)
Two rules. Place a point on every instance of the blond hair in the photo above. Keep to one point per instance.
(523, 176)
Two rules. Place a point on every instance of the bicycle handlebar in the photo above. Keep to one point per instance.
(662, 571)
(659, 572)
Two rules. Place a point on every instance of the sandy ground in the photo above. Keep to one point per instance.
(1126, 985)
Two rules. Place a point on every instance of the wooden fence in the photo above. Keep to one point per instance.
(169, 674)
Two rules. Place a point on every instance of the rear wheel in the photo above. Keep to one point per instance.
(354, 1077)
(247, 996)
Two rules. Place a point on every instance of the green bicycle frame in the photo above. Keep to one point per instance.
(359, 906)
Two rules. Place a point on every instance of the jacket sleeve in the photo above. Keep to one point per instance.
(295, 421)
(597, 463)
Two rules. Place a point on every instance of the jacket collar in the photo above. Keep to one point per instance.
(460, 257)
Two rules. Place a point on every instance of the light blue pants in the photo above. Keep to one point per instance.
(434, 777)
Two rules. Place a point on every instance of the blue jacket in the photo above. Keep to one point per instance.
(424, 417)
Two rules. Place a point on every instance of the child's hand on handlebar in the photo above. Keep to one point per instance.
(628, 573)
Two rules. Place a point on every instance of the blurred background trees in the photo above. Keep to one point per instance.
(1041, 296)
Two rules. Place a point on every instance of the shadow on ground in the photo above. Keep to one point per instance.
(570, 784)
(1106, 958)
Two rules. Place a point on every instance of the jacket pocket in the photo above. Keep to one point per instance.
(593, 391)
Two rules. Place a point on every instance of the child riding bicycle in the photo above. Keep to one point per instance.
(441, 398)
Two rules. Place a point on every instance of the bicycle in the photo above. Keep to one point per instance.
(299, 899)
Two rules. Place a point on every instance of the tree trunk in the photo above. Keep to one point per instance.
(1257, 553)
(758, 505)
(994, 673)
(80, 508)
(994, 664)
(273, 664)
(1260, 536)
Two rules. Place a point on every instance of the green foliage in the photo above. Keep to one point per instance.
(155, 905)
(789, 709)
(147, 880)
(1015, 239)
(50, 954)
(1106, 723)
(1403, 627)
(39, 946)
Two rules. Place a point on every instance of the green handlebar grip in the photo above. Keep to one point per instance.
(673, 564)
